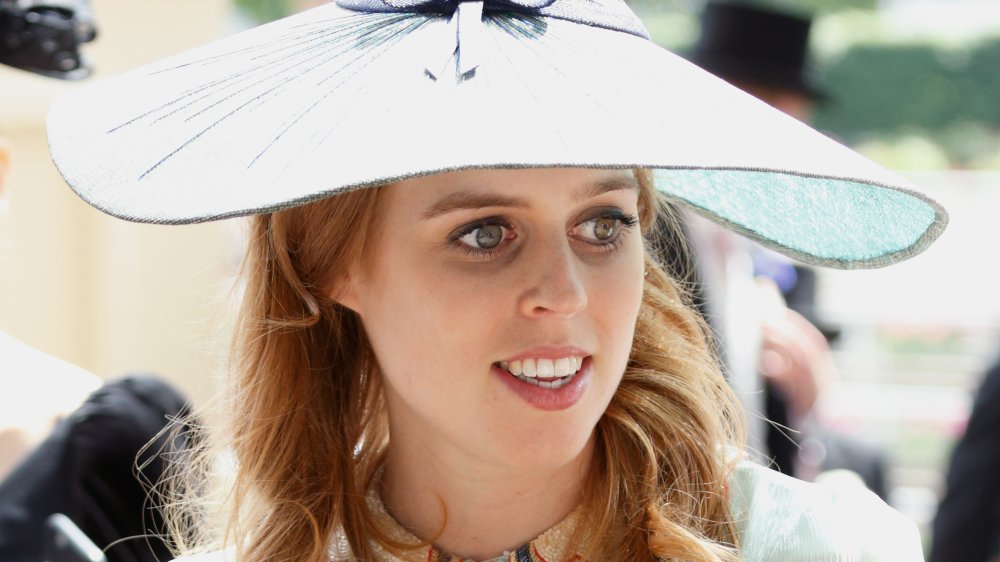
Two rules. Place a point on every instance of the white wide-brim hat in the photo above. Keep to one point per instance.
(360, 93)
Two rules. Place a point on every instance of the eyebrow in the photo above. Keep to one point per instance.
(462, 200)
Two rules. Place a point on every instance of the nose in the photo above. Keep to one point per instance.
(555, 281)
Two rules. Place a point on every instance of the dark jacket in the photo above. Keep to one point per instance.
(86, 469)
(967, 525)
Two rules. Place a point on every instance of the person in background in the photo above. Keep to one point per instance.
(69, 444)
(967, 524)
(96, 467)
(797, 365)
(38, 390)
(762, 51)
(765, 53)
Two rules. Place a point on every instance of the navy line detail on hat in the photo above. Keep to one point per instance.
(315, 41)
(275, 71)
(466, 18)
(329, 53)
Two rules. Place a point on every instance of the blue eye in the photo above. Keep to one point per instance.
(485, 237)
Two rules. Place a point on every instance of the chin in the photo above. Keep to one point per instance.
(561, 443)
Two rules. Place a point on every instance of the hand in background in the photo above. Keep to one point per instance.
(796, 358)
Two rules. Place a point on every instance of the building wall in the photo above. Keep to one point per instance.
(110, 296)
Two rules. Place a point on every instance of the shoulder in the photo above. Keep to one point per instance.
(780, 518)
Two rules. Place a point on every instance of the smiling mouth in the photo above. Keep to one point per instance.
(544, 373)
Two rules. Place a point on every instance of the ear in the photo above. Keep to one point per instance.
(345, 292)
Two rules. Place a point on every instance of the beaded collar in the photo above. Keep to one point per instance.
(551, 546)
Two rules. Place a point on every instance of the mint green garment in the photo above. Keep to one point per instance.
(781, 519)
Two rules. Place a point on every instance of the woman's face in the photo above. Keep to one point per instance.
(501, 306)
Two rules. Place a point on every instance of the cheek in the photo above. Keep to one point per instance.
(619, 298)
(618, 284)
(616, 297)
(424, 327)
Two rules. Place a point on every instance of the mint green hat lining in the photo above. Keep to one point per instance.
(837, 223)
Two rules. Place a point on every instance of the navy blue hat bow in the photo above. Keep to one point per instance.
(442, 6)
(466, 16)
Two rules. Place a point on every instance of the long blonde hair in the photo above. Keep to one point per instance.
(308, 431)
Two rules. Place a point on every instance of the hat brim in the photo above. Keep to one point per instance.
(330, 100)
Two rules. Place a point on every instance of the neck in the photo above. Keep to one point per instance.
(477, 509)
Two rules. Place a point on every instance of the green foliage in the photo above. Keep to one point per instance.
(800, 6)
(808, 7)
(982, 79)
(898, 90)
(264, 10)
(884, 87)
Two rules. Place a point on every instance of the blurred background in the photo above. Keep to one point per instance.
(913, 84)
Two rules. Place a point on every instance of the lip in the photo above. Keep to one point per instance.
(548, 353)
(548, 399)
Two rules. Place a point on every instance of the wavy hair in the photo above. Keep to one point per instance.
(307, 428)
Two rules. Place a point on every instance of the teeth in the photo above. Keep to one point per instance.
(546, 368)
(561, 367)
(531, 369)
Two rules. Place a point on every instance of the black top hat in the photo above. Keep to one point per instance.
(741, 42)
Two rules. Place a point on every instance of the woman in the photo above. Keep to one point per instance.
(455, 342)
(484, 320)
